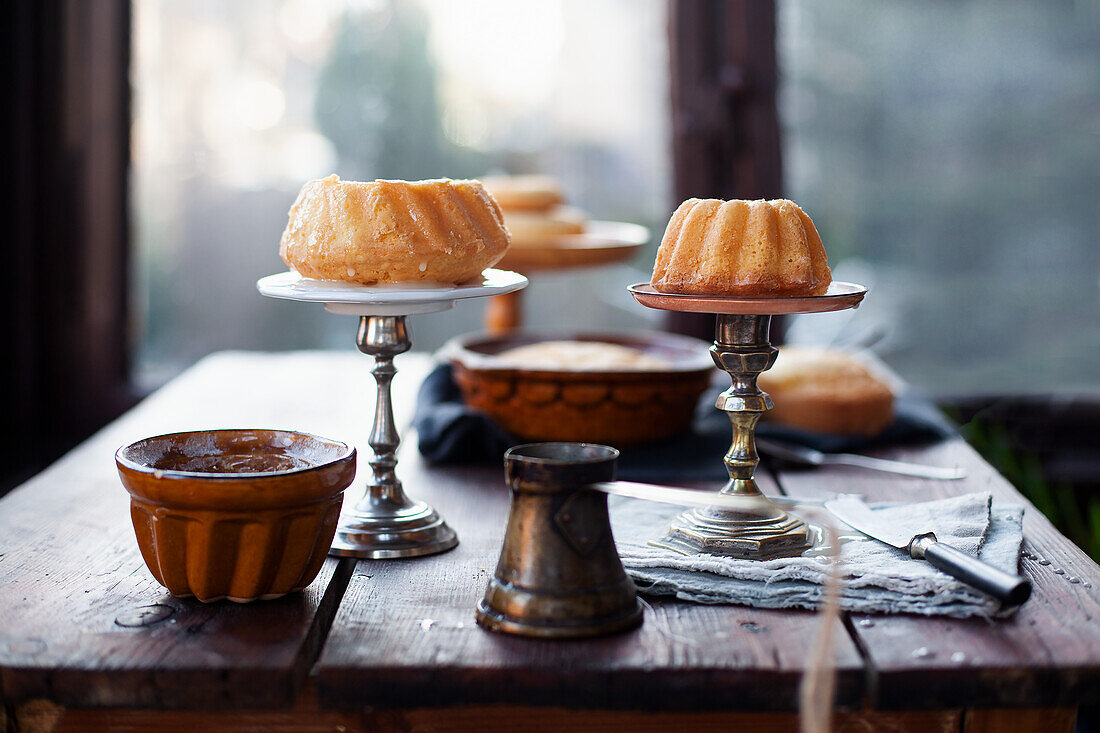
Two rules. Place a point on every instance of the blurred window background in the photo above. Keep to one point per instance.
(237, 104)
(948, 151)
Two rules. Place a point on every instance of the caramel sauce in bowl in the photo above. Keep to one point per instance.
(239, 514)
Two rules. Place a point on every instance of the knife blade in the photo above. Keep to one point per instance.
(692, 497)
(1011, 590)
(809, 456)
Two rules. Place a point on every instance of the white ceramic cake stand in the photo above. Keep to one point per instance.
(385, 523)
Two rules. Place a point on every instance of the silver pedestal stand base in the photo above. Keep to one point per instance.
(417, 530)
(385, 523)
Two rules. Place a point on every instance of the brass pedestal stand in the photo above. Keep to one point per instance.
(742, 348)
(385, 523)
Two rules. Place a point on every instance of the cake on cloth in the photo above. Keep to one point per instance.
(828, 391)
(393, 231)
(741, 248)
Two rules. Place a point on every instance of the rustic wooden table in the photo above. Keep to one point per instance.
(89, 641)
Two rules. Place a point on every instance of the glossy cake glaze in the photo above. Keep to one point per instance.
(393, 231)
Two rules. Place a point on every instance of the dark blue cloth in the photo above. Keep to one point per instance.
(451, 433)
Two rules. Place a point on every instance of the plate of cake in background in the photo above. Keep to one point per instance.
(547, 233)
(618, 389)
(828, 390)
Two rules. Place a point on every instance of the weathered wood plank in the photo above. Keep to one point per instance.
(405, 635)
(500, 719)
(1003, 720)
(1047, 654)
(307, 717)
(82, 621)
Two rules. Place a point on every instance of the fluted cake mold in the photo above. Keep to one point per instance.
(237, 514)
(393, 231)
(741, 248)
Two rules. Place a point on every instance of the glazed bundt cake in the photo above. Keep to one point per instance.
(741, 248)
(393, 231)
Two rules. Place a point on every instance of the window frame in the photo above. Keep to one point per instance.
(725, 127)
(68, 90)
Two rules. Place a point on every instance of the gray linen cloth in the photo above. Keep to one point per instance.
(876, 578)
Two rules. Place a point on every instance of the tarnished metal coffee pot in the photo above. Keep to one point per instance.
(559, 575)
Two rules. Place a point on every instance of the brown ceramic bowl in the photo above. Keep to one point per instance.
(614, 407)
(237, 514)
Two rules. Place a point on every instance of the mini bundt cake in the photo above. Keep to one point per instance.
(534, 209)
(741, 248)
(393, 231)
(524, 192)
(532, 228)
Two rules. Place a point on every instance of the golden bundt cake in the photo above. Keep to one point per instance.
(393, 231)
(741, 248)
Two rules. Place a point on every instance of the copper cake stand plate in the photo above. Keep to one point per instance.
(840, 296)
(602, 243)
(760, 530)
(385, 522)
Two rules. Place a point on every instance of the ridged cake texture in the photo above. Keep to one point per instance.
(741, 248)
(393, 231)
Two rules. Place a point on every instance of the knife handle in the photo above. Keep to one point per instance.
(1012, 590)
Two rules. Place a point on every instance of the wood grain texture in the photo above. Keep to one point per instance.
(1047, 654)
(307, 717)
(82, 621)
(1006, 720)
(405, 635)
